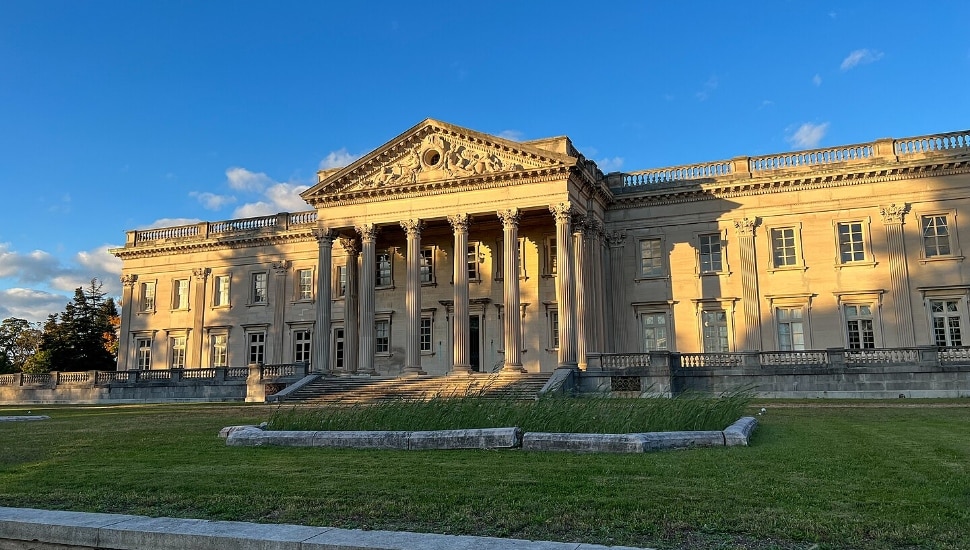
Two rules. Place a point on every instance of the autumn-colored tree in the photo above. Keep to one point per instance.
(83, 337)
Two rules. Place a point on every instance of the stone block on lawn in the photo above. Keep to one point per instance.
(376, 440)
(484, 438)
(583, 443)
(739, 432)
(659, 441)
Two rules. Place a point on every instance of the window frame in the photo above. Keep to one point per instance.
(699, 253)
(252, 331)
(217, 295)
(799, 257)
(254, 289)
(304, 291)
(427, 316)
(642, 309)
(148, 299)
(871, 298)
(661, 259)
(429, 256)
(550, 267)
(801, 301)
(214, 354)
(382, 319)
(552, 325)
(306, 343)
(956, 254)
(868, 259)
(143, 354)
(498, 262)
(473, 255)
(340, 282)
(725, 305)
(178, 350)
(379, 283)
(178, 296)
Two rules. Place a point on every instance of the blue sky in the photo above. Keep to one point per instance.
(124, 115)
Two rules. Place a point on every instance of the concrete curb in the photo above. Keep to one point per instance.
(35, 528)
(493, 438)
(23, 418)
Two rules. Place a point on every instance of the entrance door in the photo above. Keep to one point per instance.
(474, 342)
(338, 349)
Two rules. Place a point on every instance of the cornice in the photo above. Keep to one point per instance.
(202, 245)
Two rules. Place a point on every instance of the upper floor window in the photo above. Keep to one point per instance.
(384, 275)
(553, 315)
(851, 242)
(260, 288)
(427, 265)
(651, 257)
(474, 263)
(783, 252)
(304, 284)
(178, 352)
(340, 281)
(499, 261)
(711, 253)
(144, 350)
(550, 260)
(936, 235)
(148, 296)
(220, 291)
(180, 294)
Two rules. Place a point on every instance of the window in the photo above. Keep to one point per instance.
(257, 347)
(178, 352)
(304, 284)
(553, 315)
(384, 275)
(550, 260)
(144, 347)
(260, 281)
(783, 252)
(301, 346)
(936, 236)
(715, 331)
(651, 259)
(180, 294)
(220, 350)
(382, 336)
(148, 296)
(338, 348)
(427, 265)
(947, 328)
(654, 327)
(851, 242)
(425, 336)
(474, 273)
(220, 291)
(711, 259)
(859, 328)
(341, 281)
(791, 328)
(499, 262)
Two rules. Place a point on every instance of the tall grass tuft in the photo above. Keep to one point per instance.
(556, 414)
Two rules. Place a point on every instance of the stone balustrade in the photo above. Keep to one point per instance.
(886, 151)
(226, 228)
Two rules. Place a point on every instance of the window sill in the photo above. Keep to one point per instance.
(179, 309)
(787, 268)
(643, 278)
(429, 283)
(856, 264)
(257, 304)
(229, 306)
(713, 273)
(307, 301)
(146, 312)
(384, 287)
(941, 259)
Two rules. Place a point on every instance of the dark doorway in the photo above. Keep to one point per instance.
(338, 349)
(474, 342)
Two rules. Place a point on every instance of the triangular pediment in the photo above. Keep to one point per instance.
(438, 155)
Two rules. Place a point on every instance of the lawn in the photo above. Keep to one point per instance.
(835, 475)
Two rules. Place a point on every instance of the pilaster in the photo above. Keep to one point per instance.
(281, 268)
(196, 353)
(617, 297)
(124, 339)
(902, 310)
(750, 304)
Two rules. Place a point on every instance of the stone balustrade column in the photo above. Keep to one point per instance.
(124, 338)
(621, 340)
(565, 284)
(412, 360)
(197, 346)
(460, 323)
(282, 270)
(351, 303)
(750, 303)
(512, 303)
(320, 359)
(368, 268)
(902, 310)
(582, 282)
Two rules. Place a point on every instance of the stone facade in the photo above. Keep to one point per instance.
(449, 251)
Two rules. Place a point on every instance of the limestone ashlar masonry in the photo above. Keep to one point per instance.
(463, 252)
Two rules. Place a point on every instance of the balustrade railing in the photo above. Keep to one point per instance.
(881, 356)
(625, 360)
(959, 355)
(8, 379)
(237, 372)
(677, 173)
(303, 218)
(199, 373)
(34, 379)
(792, 358)
(241, 225)
(697, 360)
(73, 377)
(244, 224)
(927, 144)
(178, 232)
(815, 157)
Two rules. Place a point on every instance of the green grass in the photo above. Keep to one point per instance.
(837, 476)
(588, 415)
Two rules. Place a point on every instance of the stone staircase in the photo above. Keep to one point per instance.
(373, 389)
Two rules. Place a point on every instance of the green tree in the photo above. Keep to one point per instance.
(83, 336)
(19, 341)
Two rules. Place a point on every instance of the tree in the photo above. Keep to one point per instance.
(19, 341)
(83, 337)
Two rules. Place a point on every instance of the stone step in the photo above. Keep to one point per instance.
(346, 390)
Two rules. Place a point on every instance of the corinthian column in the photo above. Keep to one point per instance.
(412, 362)
(198, 317)
(281, 268)
(351, 302)
(127, 305)
(368, 239)
(564, 284)
(460, 324)
(582, 286)
(321, 336)
(892, 217)
(616, 295)
(749, 285)
(513, 321)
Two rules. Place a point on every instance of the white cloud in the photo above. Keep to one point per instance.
(808, 135)
(511, 135)
(608, 165)
(817, 80)
(212, 201)
(255, 210)
(286, 197)
(32, 267)
(860, 57)
(241, 179)
(170, 222)
(709, 87)
(30, 304)
(337, 159)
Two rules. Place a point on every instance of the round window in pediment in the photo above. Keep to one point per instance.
(431, 157)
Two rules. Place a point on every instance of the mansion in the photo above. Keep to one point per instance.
(447, 250)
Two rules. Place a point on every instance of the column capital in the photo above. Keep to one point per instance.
(893, 214)
(324, 235)
(281, 266)
(745, 226)
(201, 272)
(615, 238)
(129, 279)
(367, 231)
(510, 217)
(351, 245)
(562, 211)
(412, 227)
(593, 226)
(459, 222)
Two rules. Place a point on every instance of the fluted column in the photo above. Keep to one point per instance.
(513, 321)
(460, 324)
(281, 268)
(321, 335)
(616, 295)
(596, 274)
(368, 267)
(351, 303)
(197, 345)
(412, 361)
(582, 282)
(750, 303)
(127, 306)
(565, 284)
(892, 217)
